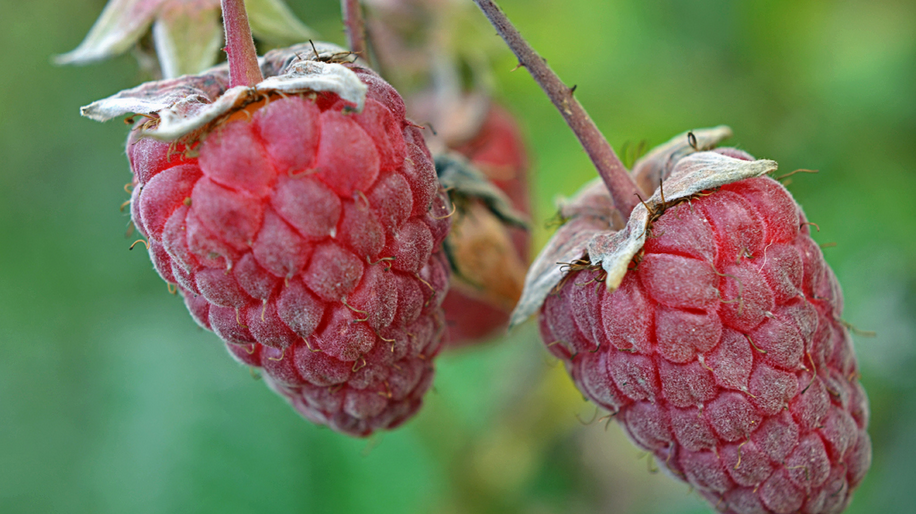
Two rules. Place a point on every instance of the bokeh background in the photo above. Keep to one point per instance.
(112, 400)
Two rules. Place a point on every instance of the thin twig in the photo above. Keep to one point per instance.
(240, 50)
(355, 27)
(621, 185)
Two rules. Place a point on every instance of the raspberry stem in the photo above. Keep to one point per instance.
(355, 27)
(614, 174)
(243, 58)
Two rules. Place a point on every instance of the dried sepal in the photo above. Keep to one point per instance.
(592, 237)
(465, 183)
(484, 262)
(656, 165)
(187, 105)
(695, 173)
(588, 214)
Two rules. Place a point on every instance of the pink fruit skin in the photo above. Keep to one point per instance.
(722, 353)
(307, 237)
(498, 150)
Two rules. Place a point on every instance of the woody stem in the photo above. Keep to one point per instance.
(242, 56)
(615, 176)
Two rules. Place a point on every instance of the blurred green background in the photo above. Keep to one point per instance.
(113, 401)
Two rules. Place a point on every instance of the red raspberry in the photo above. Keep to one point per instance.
(307, 237)
(722, 351)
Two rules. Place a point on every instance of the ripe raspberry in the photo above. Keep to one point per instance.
(722, 351)
(307, 236)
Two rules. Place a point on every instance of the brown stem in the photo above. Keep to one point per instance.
(356, 28)
(243, 58)
(618, 181)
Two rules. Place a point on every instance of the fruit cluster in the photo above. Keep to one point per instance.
(298, 213)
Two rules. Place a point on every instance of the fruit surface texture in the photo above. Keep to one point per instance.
(307, 236)
(723, 353)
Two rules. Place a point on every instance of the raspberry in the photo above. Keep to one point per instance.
(307, 236)
(721, 351)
